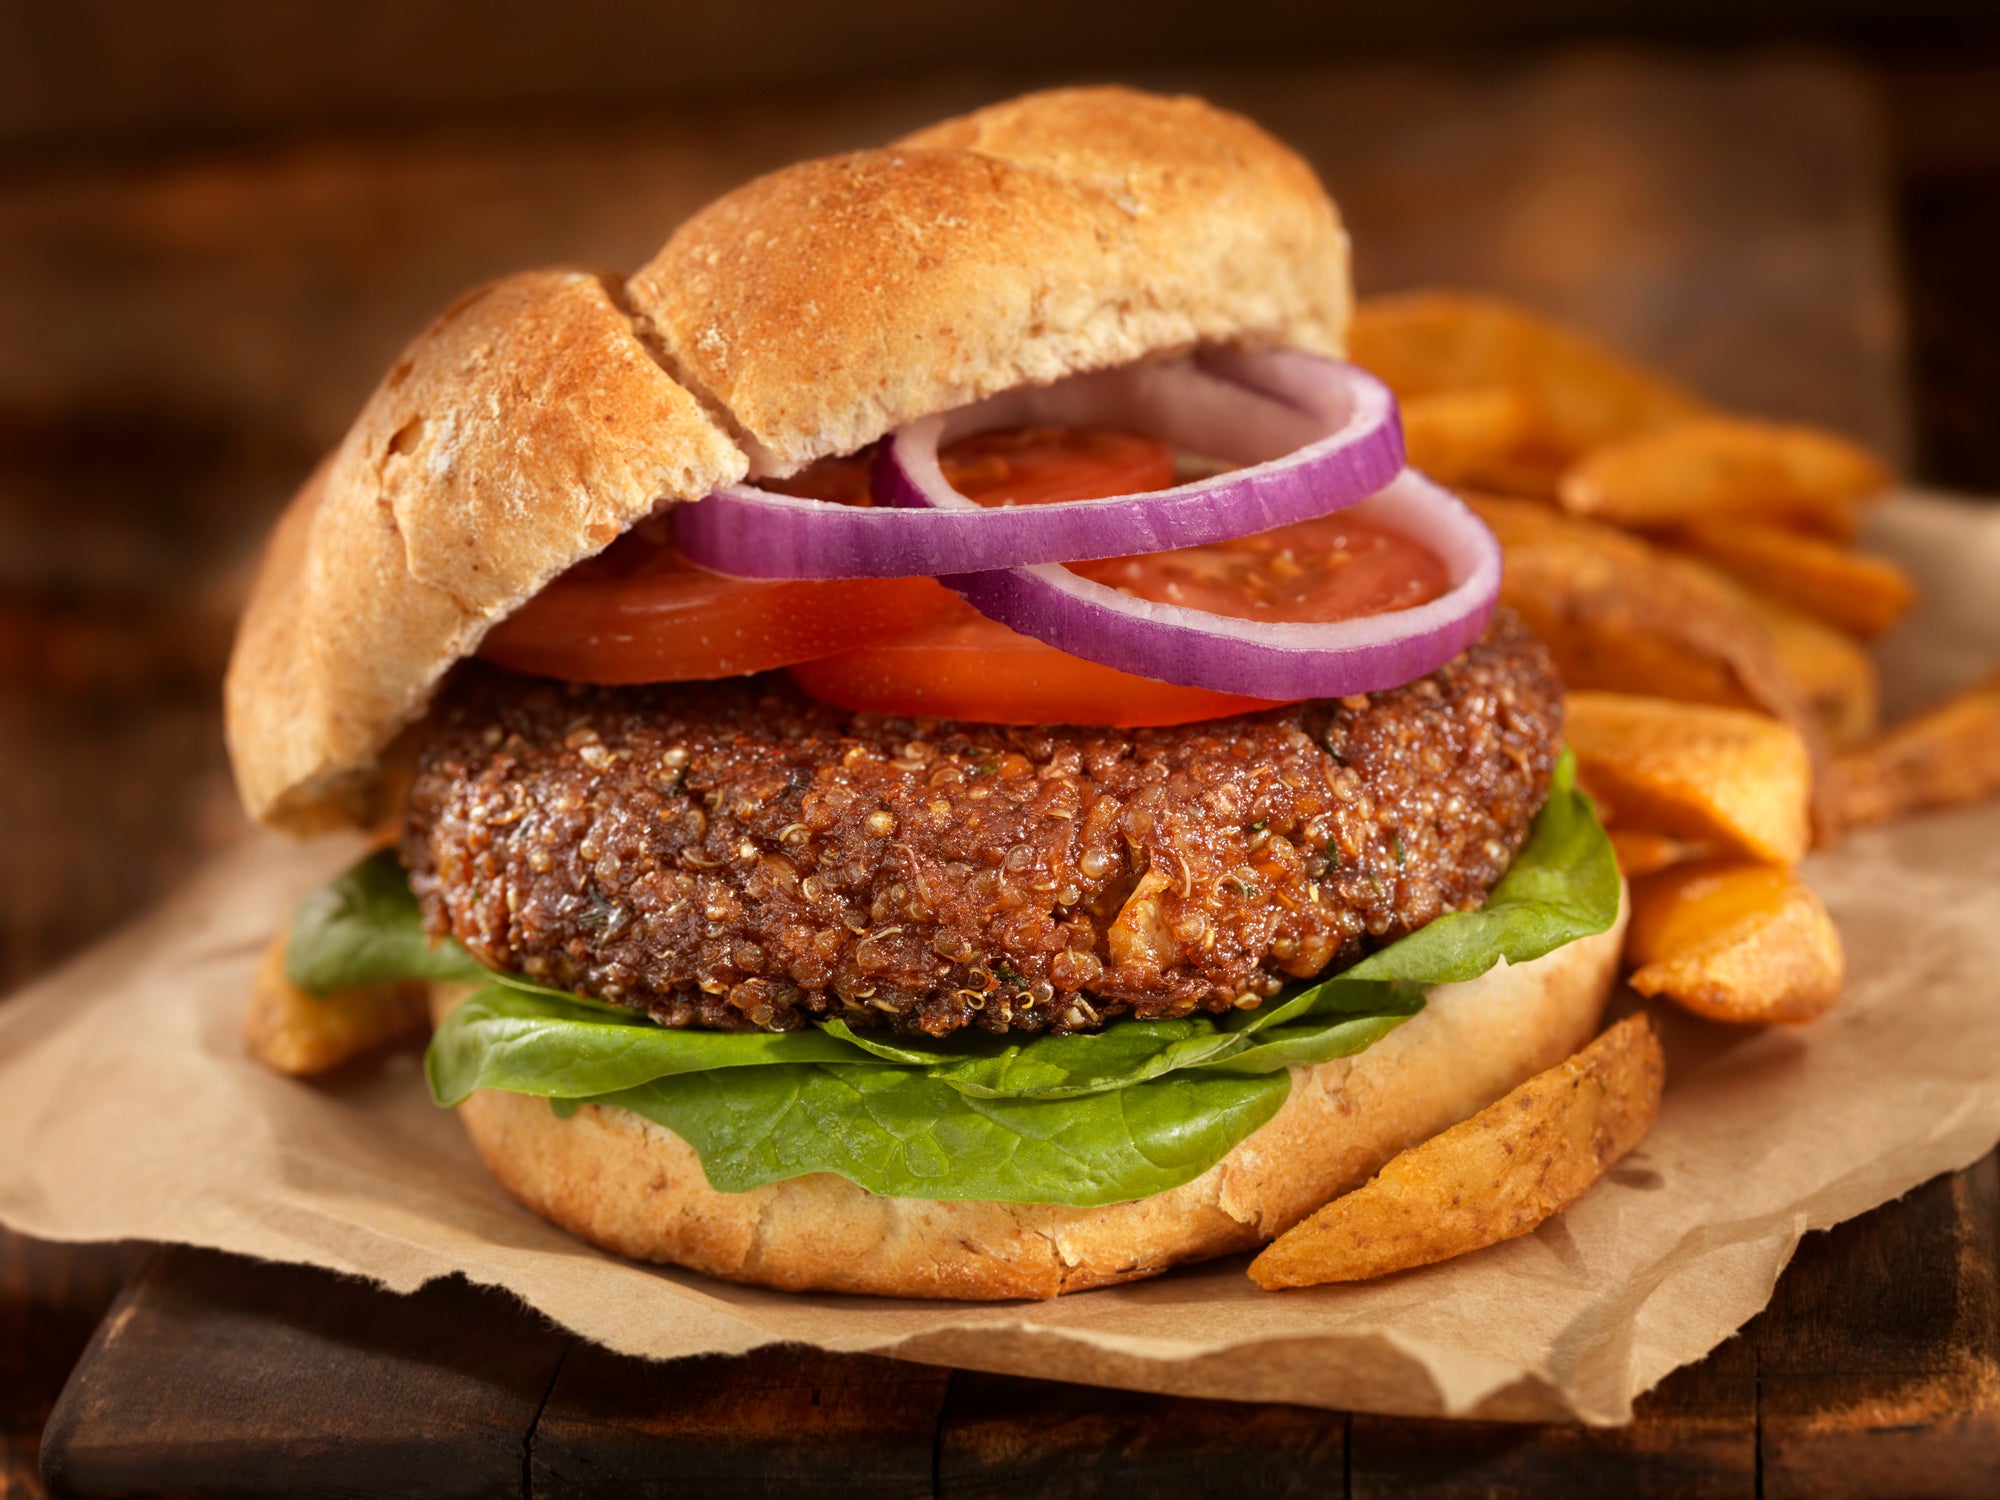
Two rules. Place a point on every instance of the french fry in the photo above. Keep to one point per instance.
(1725, 777)
(1470, 437)
(1851, 590)
(1943, 757)
(1832, 673)
(1726, 468)
(300, 1034)
(1734, 941)
(1493, 1177)
(1424, 343)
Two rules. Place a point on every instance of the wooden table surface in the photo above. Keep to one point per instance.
(180, 336)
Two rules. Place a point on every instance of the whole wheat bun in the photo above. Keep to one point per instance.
(804, 314)
(633, 1187)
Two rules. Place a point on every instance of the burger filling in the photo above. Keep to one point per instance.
(847, 874)
(735, 855)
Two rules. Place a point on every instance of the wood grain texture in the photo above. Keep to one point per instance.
(79, 73)
(51, 1297)
(1001, 1436)
(219, 1376)
(790, 1420)
(1694, 1436)
(1879, 1359)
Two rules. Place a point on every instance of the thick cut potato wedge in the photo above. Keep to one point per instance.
(1424, 343)
(1726, 468)
(1476, 437)
(1620, 615)
(1735, 780)
(1734, 940)
(296, 1033)
(1491, 1178)
(1641, 852)
(1943, 757)
(1852, 590)
(1831, 671)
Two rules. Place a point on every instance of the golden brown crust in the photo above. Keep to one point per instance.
(522, 431)
(808, 312)
(630, 1186)
(831, 301)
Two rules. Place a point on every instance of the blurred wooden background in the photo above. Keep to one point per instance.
(219, 219)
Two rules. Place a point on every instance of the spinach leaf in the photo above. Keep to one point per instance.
(533, 1042)
(900, 1133)
(363, 928)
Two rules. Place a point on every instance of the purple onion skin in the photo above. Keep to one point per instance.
(1305, 458)
(1193, 648)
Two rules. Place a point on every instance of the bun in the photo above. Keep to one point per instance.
(804, 314)
(525, 429)
(828, 303)
(630, 1186)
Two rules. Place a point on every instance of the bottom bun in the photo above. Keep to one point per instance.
(624, 1183)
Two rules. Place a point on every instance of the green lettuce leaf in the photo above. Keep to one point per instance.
(363, 928)
(898, 1132)
(565, 1047)
(1092, 1118)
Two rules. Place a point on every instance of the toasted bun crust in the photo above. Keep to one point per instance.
(631, 1186)
(804, 314)
(827, 303)
(526, 428)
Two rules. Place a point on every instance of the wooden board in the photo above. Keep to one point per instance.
(1876, 1371)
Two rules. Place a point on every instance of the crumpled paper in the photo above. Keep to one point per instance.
(128, 1109)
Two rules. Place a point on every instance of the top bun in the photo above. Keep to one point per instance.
(806, 313)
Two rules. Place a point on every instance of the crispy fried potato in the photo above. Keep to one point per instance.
(1642, 852)
(1734, 941)
(1831, 672)
(1471, 437)
(1491, 1178)
(295, 1033)
(1852, 590)
(1621, 615)
(1726, 468)
(1424, 343)
(1943, 757)
(1735, 780)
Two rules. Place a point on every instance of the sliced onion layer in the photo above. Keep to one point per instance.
(1257, 658)
(1313, 434)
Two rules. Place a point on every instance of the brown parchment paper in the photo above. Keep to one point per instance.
(129, 1110)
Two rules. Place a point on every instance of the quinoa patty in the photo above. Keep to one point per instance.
(736, 855)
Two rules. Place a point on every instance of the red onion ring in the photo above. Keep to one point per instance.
(1256, 658)
(1315, 434)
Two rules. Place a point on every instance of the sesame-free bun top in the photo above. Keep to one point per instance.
(806, 313)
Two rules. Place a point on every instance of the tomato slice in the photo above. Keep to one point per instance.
(975, 668)
(640, 612)
(1039, 465)
(1335, 567)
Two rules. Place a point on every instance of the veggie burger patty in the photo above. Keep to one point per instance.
(736, 855)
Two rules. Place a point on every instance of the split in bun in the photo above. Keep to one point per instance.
(806, 313)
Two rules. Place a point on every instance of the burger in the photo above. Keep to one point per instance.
(926, 743)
